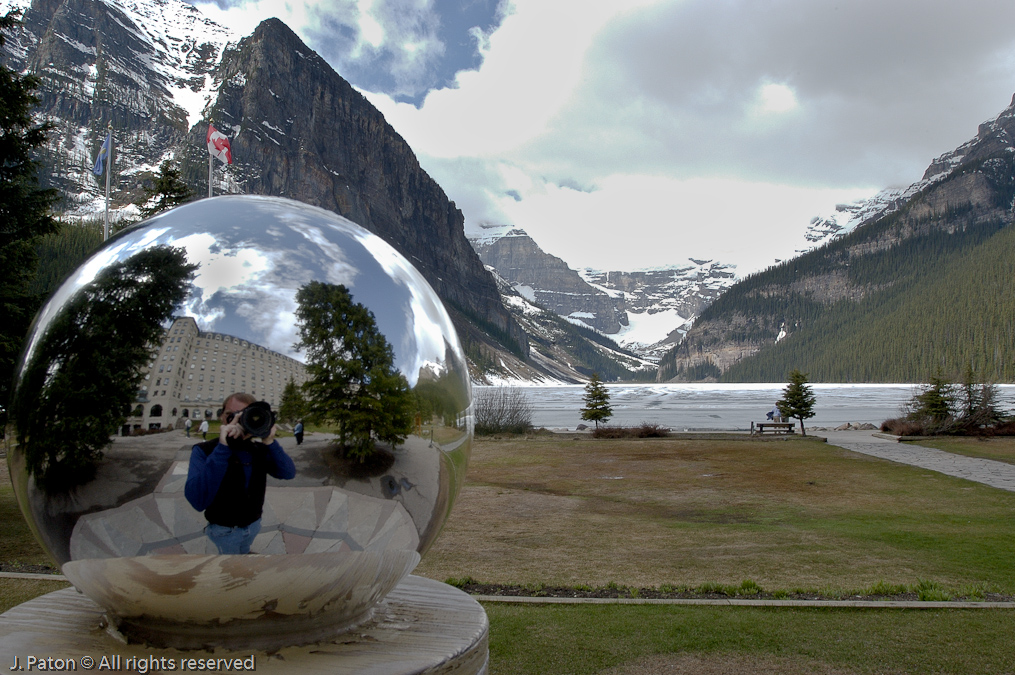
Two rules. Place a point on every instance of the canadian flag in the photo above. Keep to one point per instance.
(218, 145)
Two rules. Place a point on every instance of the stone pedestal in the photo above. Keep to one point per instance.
(421, 626)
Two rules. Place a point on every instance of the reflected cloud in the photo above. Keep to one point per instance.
(360, 520)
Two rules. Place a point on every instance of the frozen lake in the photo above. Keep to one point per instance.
(722, 406)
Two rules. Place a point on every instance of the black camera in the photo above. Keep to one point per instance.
(257, 419)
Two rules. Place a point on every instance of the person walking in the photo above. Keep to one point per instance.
(298, 432)
(204, 430)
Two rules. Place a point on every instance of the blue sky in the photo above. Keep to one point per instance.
(629, 133)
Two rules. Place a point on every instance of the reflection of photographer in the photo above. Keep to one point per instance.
(227, 476)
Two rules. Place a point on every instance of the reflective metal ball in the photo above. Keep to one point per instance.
(129, 365)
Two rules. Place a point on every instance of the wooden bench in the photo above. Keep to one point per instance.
(773, 427)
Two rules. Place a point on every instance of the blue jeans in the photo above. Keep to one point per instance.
(230, 540)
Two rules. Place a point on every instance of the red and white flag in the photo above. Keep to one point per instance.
(218, 145)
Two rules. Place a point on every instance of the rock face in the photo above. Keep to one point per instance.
(100, 65)
(158, 72)
(968, 188)
(301, 131)
(548, 281)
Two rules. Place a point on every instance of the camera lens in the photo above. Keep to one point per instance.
(257, 419)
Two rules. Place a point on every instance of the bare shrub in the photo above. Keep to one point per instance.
(502, 410)
(644, 430)
(904, 427)
(1005, 428)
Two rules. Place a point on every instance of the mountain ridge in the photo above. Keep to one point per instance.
(297, 130)
(790, 315)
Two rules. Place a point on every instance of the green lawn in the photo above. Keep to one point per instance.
(789, 515)
(17, 545)
(1001, 449)
(570, 639)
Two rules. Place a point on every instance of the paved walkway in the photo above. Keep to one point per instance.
(987, 471)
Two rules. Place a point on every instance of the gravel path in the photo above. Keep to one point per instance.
(987, 471)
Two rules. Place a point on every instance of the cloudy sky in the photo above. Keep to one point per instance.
(624, 134)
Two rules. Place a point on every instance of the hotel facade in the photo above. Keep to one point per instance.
(193, 371)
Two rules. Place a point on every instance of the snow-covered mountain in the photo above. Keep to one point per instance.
(644, 311)
(545, 279)
(157, 73)
(649, 311)
(905, 246)
(146, 67)
(661, 303)
(847, 217)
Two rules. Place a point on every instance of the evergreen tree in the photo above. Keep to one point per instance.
(167, 190)
(353, 381)
(797, 400)
(934, 402)
(597, 401)
(24, 212)
(63, 252)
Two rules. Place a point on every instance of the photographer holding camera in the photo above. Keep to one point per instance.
(227, 476)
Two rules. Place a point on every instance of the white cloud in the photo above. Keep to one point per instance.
(532, 65)
(635, 221)
(371, 30)
(620, 134)
(776, 98)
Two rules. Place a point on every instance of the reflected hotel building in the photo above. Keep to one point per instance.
(193, 371)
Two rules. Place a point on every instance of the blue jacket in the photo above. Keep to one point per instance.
(227, 482)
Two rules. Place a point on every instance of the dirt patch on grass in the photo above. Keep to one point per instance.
(725, 664)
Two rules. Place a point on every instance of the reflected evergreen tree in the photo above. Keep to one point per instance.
(83, 375)
(597, 401)
(24, 212)
(352, 379)
(292, 406)
(167, 190)
(797, 400)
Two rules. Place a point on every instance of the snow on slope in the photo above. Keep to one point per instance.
(175, 33)
(167, 64)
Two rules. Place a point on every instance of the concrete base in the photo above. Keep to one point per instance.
(421, 626)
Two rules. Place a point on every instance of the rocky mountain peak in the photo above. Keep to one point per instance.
(546, 279)
(157, 71)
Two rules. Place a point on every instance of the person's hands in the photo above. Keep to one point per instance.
(231, 430)
(270, 438)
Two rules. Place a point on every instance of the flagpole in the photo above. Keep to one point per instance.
(218, 147)
(109, 170)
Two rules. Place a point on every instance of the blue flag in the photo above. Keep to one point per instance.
(101, 160)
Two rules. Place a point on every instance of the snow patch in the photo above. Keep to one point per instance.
(265, 123)
(193, 101)
(648, 328)
(484, 234)
(527, 292)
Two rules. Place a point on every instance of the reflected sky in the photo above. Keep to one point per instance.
(254, 254)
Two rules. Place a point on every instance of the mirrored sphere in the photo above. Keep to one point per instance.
(125, 376)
